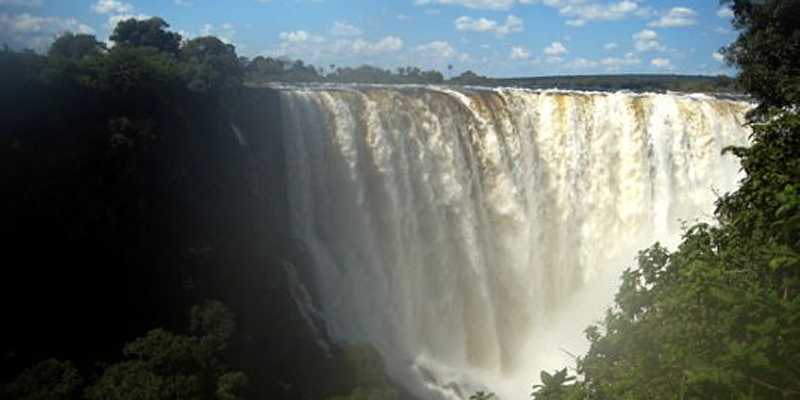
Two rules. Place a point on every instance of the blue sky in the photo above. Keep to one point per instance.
(491, 37)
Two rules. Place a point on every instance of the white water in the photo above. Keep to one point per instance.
(471, 235)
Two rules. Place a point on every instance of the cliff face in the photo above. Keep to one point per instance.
(116, 225)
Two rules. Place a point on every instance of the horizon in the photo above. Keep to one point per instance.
(495, 38)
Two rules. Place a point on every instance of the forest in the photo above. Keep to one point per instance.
(144, 233)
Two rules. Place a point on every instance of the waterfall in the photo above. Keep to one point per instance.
(470, 234)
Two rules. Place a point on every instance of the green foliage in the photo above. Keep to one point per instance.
(767, 50)
(48, 380)
(77, 46)
(165, 365)
(214, 64)
(232, 385)
(150, 32)
(481, 395)
(555, 386)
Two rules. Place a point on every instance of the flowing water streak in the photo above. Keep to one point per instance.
(450, 228)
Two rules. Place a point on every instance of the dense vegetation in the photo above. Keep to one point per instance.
(719, 317)
(137, 182)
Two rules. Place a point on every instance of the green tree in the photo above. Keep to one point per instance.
(165, 365)
(48, 380)
(767, 51)
(213, 64)
(77, 46)
(149, 32)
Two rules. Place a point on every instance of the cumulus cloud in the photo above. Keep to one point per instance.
(224, 32)
(610, 45)
(387, 44)
(646, 41)
(438, 48)
(677, 16)
(478, 4)
(116, 19)
(725, 12)
(341, 28)
(35, 32)
(578, 12)
(112, 7)
(615, 64)
(717, 56)
(300, 36)
(581, 12)
(512, 24)
(555, 49)
(519, 53)
(584, 63)
(661, 63)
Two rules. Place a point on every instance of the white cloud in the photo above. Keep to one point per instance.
(614, 64)
(224, 32)
(519, 53)
(116, 19)
(725, 12)
(35, 32)
(555, 49)
(300, 36)
(476, 25)
(24, 3)
(717, 56)
(479, 4)
(610, 46)
(581, 12)
(387, 44)
(584, 63)
(439, 48)
(677, 16)
(112, 7)
(646, 41)
(661, 63)
(341, 28)
(512, 24)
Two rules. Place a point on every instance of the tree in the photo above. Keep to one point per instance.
(77, 46)
(213, 64)
(165, 365)
(149, 32)
(767, 51)
(48, 380)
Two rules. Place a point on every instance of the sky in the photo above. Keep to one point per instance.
(498, 38)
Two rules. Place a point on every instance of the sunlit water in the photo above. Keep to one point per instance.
(471, 235)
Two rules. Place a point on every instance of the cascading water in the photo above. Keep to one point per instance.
(469, 234)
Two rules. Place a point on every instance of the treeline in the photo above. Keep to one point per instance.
(719, 316)
(634, 82)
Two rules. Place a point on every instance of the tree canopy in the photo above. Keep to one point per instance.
(151, 32)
